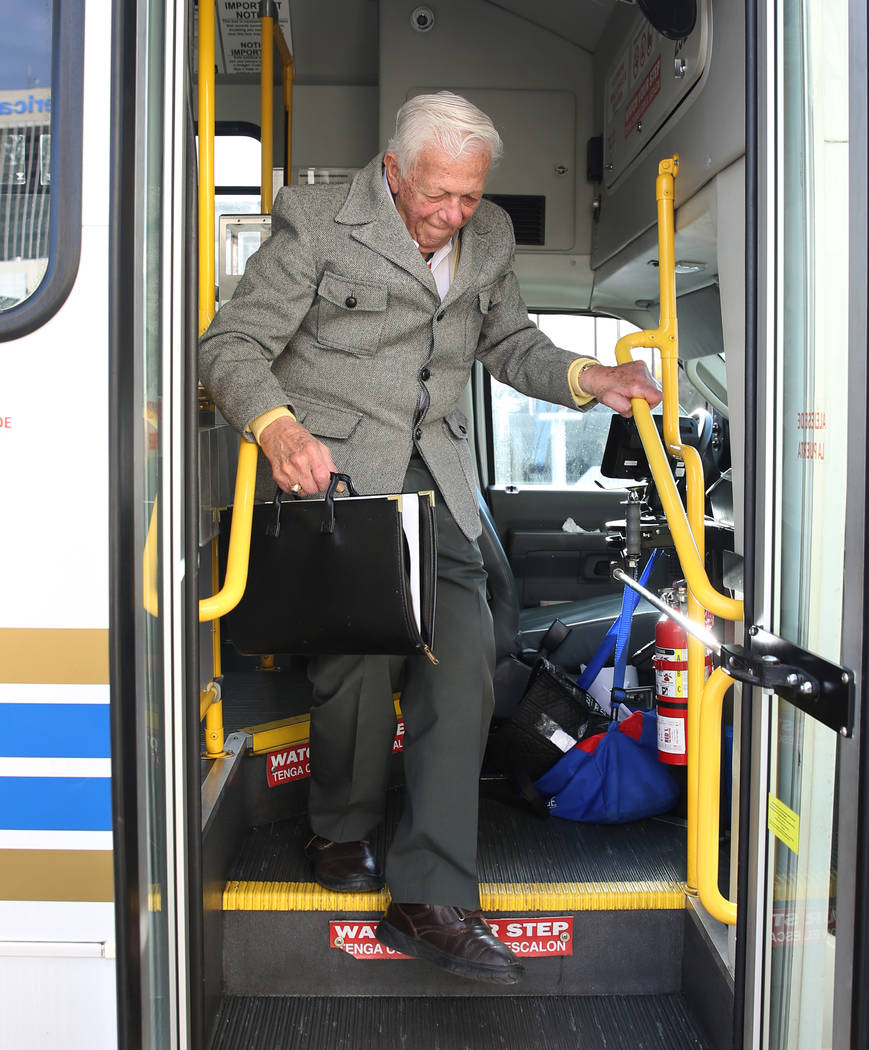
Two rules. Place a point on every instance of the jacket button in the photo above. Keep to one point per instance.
(463, 428)
(425, 375)
(350, 302)
(440, 316)
(418, 433)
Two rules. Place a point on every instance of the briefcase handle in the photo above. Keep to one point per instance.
(327, 525)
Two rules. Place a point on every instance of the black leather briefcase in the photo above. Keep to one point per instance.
(345, 574)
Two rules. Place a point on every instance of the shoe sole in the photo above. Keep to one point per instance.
(393, 938)
(356, 885)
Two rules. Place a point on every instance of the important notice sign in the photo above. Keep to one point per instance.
(534, 938)
(239, 35)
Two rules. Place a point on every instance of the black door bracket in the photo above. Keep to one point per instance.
(821, 689)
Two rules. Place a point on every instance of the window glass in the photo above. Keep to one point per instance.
(237, 182)
(25, 145)
(538, 443)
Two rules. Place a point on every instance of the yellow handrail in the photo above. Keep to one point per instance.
(688, 530)
(267, 110)
(665, 338)
(238, 555)
(718, 906)
(206, 165)
(288, 74)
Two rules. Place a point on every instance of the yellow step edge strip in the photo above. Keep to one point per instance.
(654, 895)
(287, 732)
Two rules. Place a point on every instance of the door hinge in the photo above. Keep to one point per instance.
(821, 689)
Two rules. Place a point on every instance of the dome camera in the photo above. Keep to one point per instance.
(422, 19)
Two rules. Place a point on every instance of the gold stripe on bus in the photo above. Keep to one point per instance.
(654, 895)
(54, 655)
(56, 875)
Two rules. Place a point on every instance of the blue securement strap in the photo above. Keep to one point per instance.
(617, 637)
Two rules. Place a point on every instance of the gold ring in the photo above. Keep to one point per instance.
(296, 488)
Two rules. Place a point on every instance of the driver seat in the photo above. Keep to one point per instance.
(520, 634)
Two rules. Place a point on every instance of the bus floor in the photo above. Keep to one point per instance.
(615, 954)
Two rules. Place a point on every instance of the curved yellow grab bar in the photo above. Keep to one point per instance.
(665, 338)
(718, 906)
(239, 538)
(688, 530)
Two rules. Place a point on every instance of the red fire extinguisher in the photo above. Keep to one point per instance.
(671, 682)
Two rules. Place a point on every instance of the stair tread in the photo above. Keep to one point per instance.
(614, 1022)
(515, 847)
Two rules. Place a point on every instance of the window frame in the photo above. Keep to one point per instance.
(65, 192)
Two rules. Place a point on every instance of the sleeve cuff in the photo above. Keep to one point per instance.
(258, 425)
(574, 372)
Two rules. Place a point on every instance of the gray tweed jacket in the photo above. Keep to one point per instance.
(338, 317)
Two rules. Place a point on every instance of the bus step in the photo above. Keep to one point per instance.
(616, 1022)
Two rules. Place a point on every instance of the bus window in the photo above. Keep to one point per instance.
(237, 175)
(537, 443)
(25, 148)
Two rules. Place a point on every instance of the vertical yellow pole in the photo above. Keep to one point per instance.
(206, 163)
(214, 734)
(267, 103)
(214, 714)
(288, 70)
(696, 509)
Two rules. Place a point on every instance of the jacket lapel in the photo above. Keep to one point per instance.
(473, 253)
(379, 226)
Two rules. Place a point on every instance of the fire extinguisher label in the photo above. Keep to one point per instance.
(671, 735)
(671, 683)
(675, 656)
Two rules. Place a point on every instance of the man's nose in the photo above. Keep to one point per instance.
(451, 213)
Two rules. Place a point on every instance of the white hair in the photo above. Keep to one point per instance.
(445, 120)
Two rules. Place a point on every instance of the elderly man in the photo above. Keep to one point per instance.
(347, 346)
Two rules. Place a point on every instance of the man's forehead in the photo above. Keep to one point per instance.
(434, 163)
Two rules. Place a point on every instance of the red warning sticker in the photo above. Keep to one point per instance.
(533, 938)
(294, 763)
(290, 763)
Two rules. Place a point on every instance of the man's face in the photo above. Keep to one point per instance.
(439, 194)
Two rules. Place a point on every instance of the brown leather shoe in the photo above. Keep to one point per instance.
(348, 867)
(456, 940)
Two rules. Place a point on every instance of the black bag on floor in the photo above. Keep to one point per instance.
(553, 715)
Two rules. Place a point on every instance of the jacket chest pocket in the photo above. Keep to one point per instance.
(485, 303)
(351, 314)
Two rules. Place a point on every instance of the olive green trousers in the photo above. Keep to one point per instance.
(446, 709)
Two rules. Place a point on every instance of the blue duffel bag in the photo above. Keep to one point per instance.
(612, 777)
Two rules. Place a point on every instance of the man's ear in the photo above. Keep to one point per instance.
(393, 172)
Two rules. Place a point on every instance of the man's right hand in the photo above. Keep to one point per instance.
(300, 463)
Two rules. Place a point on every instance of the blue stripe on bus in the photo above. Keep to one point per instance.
(55, 803)
(54, 730)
